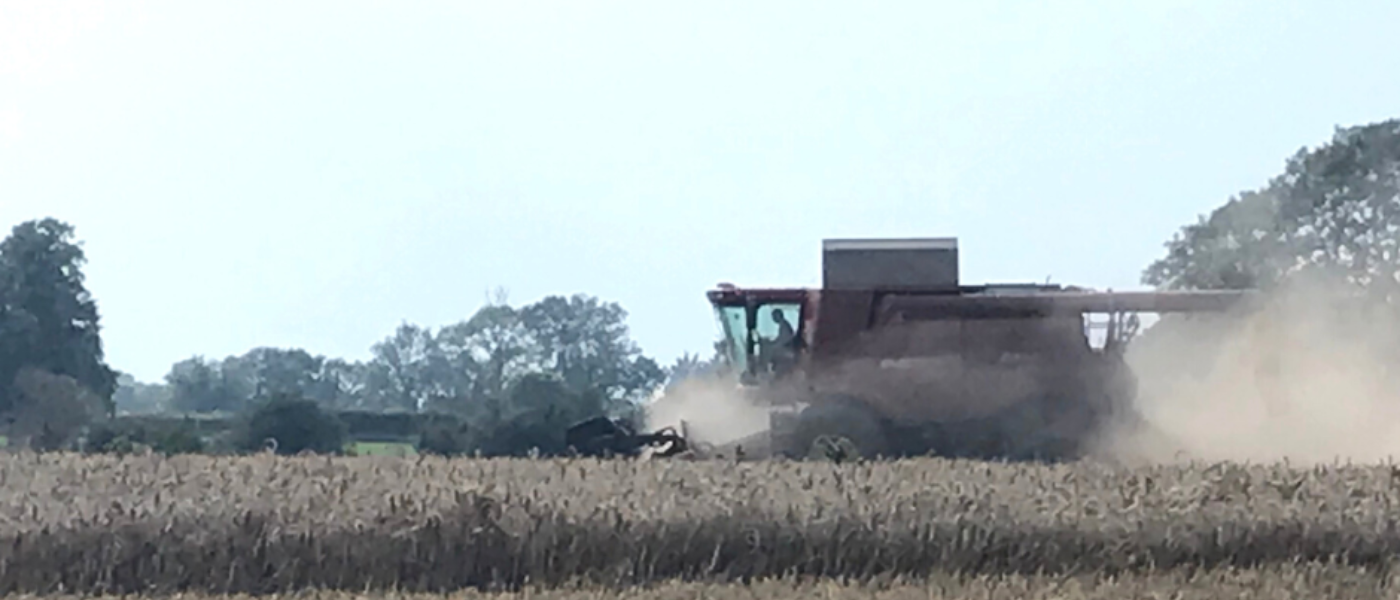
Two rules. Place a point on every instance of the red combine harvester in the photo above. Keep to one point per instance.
(899, 358)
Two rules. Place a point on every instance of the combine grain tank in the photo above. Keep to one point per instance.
(896, 355)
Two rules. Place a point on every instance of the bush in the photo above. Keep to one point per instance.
(179, 440)
(117, 437)
(111, 438)
(364, 423)
(445, 439)
(53, 410)
(292, 425)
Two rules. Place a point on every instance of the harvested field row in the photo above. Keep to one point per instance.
(1300, 582)
(263, 524)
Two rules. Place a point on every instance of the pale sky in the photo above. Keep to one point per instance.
(311, 174)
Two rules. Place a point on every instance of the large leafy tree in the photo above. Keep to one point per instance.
(1335, 208)
(340, 383)
(401, 374)
(198, 385)
(519, 376)
(481, 358)
(586, 342)
(136, 397)
(1330, 220)
(470, 367)
(48, 319)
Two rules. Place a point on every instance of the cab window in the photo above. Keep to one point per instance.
(775, 335)
(776, 332)
(734, 328)
(777, 320)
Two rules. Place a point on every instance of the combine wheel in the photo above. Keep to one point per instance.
(832, 421)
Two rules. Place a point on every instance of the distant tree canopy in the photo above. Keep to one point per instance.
(514, 377)
(200, 386)
(460, 368)
(1336, 207)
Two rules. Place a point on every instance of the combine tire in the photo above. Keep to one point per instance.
(844, 419)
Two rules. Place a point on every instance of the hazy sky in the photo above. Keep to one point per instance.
(312, 174)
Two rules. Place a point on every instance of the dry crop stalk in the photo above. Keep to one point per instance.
(353, 522)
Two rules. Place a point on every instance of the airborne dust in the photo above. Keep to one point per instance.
(1305, 377)
(714, 410)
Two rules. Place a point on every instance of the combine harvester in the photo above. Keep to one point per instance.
(897, 357)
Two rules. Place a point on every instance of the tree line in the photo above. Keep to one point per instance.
(506, 374)
(509, 375)
(465, 368)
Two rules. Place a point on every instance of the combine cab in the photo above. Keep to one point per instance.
(896, 356)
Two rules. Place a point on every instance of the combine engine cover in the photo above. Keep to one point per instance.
(871, 264)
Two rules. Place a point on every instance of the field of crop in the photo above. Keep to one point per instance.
(1310, 582)
(199, 524)
(382, 449)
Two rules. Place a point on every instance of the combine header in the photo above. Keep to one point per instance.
(603, 437)
(898, 357)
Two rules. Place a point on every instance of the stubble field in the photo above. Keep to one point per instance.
(660, 529)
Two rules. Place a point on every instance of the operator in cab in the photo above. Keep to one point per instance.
(781, 350)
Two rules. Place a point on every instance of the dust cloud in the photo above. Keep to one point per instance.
(714, 409)
(1305, 376)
